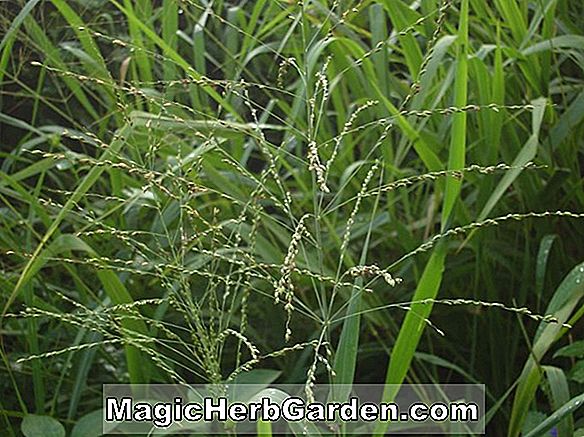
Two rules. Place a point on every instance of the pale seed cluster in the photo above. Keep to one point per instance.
(318, 167)
(374, 270)
(285, 287)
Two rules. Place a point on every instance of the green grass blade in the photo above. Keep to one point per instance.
(264, 429)
(429, 284)
(526, 154)
(11, 32)
(10, 35)
(378, 19)
(87, 42)
(566, 409)
(559, 395)
(224, 129)
(346, 355)
(169, 29)
(457, 152)
(562, 305)
(543, 254)
(412, 327)
(136, 27)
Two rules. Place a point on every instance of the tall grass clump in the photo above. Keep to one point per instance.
(295, 191)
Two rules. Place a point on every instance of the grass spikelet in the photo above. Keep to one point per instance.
(374, 270)
(284, 289)
(317, 167)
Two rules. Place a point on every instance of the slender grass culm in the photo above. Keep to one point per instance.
(303, 192)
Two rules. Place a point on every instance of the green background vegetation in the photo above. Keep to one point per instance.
(349, 191)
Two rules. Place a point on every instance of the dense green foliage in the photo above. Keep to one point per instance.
(348, 191)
